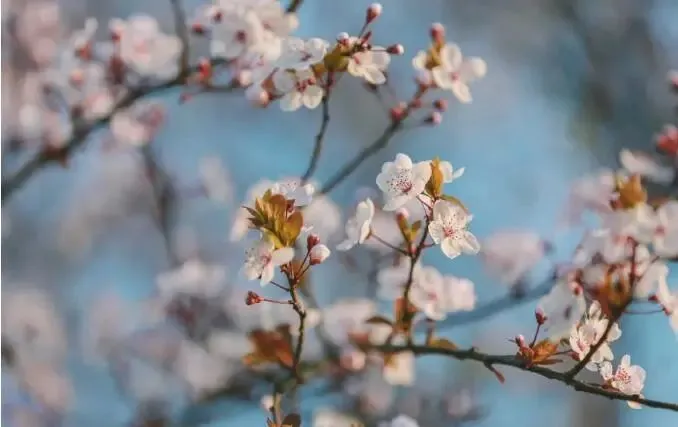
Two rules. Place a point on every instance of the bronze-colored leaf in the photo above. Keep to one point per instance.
(291, 420)
(292, 228)
(442, 343)
(434, 186)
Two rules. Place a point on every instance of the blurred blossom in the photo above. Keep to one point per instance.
(47, 385)
(203, 371)
(399, 368)
(38, 28)
(193, 277)
(374, 393)
(215, 180)
(401, 421)
(32, 326)
(591, 193)
(229, 345)
(386, 228)
(137, 125)
(510, 255)
(641, 163)
(329, 418)
(345, 317)
(324, 216)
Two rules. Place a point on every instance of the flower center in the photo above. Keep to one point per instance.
(402, 182)
(240, 36)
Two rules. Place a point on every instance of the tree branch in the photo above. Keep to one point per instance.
(294, 6)
(83, 130)
(515, 362)
(315, 156)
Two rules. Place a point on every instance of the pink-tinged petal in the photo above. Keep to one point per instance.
(470, 243)
(419, 61)
(441, 78)
(422, 171)
(472, 69)
(450, 248)
(282, 256)
(634, 405)
(451, 56)
(374, 75)
(313, 95)
(435, 230)
(462, 92)
(291, 101)
(267, 274)
(442, 209)
(380, 59)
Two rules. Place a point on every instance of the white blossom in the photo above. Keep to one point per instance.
(299, 88)
(589, 332)
(193, 277)
(461, 294)
(331, 418)
(563, 306)
(401, 180)
(642, 164)
(449, 230)
(262, 259)
(456, 72)
(401, 421)
(628, 379)
(669, 302)
(298, 54)
(235, 33)
(319, 254)
(144, 48)
(358, 226)
(346, 317)
(323, 216)
(370, 65)
(138, 124)
(399, 369)
(215, 180)
(591, 193)
(201, 370)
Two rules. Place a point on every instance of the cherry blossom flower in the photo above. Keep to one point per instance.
(563, 306)
(193, 277)
(449, 230)
(665, 236)
(235, 33)
(393, 279)
(298, 54)
(639, 163)
(510, 255)
(652, 277)
(401, 421)
(669, 302)
(137, 125)
(591, 193)
(346, 317)
(358, 226)
(429, 294)
(230, 346)
(399, 369)
(370, 65)
(47, 384)
(31, 325)
(323, 216)
(375, 394)
(461, 294)
(201, 370)
(241, 221)
(262, 258)
(401, 180)
(448, 172)
(587, 333)
(319, 254)
(456, 72)
(144, 48)
(299, 88)
(293, 189)
(330, 418)
(388, 231)
(628, 379)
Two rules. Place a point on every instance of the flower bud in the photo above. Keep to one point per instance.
(440, 105)
(198, 29)
(395, 49)
(423, 79)
(253, 298)
(438, 34)
(205, 69)
(434, 119)
(520, 341)
(311, 241)
(319, 254)
(540, 316)
(398, 112)
(373, 12)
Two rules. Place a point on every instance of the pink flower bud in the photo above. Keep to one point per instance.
(434, 119)
(253, 298)
(540, 316)
(311, 241)
(198, 29)
(438, 33)
(398, 112)
(319, 254)
(373, 12)
(423, 79)
(520, 341)
(440, 105)
(395, 49)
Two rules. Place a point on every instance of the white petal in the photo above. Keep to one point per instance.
(267, 274)
(441, 78)
(435, 230)
(472, 69)
(313, 95)
(374, 75)
(282, 256)
(470, 243)
(291, 101)
(449, 248)
(451, 56)
(461, 91)
(419, 61)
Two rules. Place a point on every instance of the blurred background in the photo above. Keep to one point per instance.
(569, 84)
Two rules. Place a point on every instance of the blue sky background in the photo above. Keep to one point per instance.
(516, 141)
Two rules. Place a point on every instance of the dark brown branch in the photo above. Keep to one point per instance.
(317, 148)
(82, 130)
(515, 362)
(294, 6)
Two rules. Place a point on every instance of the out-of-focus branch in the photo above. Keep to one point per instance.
(294, 6)
(81, 130)
(513, 361)
(182, 32)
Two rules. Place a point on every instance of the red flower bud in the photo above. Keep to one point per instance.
(311, 241)
(253, 298)
(373, 12)
(395, 49)
(540, 316)
(440, 105)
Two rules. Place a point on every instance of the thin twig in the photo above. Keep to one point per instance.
(513, 361)
(294, 6)
(317, 148)
(82, 130)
